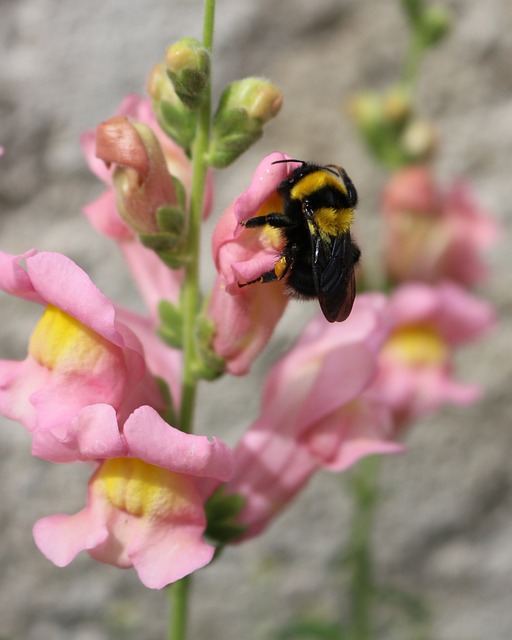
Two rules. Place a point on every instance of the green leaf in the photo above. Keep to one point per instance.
(221, 512)
(171, 329)
(209, 365)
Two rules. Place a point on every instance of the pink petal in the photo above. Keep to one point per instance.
(61, 537)
(14, 279)
(60, 282)
(164, 556)
(151, 439)
(102, 214)
(92, 434)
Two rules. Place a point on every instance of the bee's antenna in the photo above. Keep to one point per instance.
(335, 169)
(287, 160)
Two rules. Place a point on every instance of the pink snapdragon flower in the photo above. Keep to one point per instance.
(79, 354)
(145, 502)
(245, 317)
(433, 235)
(315, 413)
(416, 362)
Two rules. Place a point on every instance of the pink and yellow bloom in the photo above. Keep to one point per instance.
(145, 503)
(433, 235)
(79, 354)
(316, 413)
(245, 318)
(416, 362)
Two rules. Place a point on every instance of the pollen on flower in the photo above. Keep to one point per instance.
(142, 489)
(59, 341)
(416, 345)
(270, 237)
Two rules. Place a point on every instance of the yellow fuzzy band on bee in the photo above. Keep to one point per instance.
(333, 221)
(313, 182)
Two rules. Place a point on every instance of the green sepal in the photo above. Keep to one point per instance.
(209, 365)
(169, 241)
(245, 106)
(181, 195)
(221, 512)
(178, 122)
(171, 220)
(188, 68)
(224, 150)
(171, 327)
(434, 26)
(414, 10)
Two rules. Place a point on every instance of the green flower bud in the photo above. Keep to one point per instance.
(173, 116)
(188, 67)
(244, 107)
(435, 24)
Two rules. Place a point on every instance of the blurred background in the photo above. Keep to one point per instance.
(445, 523)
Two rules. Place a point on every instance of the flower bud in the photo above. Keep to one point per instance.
(420, 140)
(366, 110)
(396, 106)
(435, 24)
(188, 67)
(244, 107)
(173, 116)
(145, 191)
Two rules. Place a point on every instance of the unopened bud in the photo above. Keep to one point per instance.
(396, 106)
(188, 66)
(420, 140)
(144, 188)
(244, 108)
(259, 98)
(435, 24)
(173, 116)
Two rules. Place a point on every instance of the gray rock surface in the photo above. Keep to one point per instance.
(444, 529)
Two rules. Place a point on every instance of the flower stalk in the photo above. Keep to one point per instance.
(191, 289)
(364, 489)
(179, 591)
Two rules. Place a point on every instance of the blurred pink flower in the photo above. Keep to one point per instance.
(245, 318)
(315, 413)
(145, 504)
(416, 362)
(433, 235)
(79, 354)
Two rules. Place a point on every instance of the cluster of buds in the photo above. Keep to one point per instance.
(179, 87)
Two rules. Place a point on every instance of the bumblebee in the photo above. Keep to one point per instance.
(318, 255)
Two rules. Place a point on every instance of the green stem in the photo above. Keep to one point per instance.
(413, 60)
(365, 492)
(178, 592)
(191, 289)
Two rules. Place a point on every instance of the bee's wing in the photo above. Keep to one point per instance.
(333, 275)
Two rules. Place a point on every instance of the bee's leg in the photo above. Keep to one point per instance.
(277, 273)
(276, 220)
